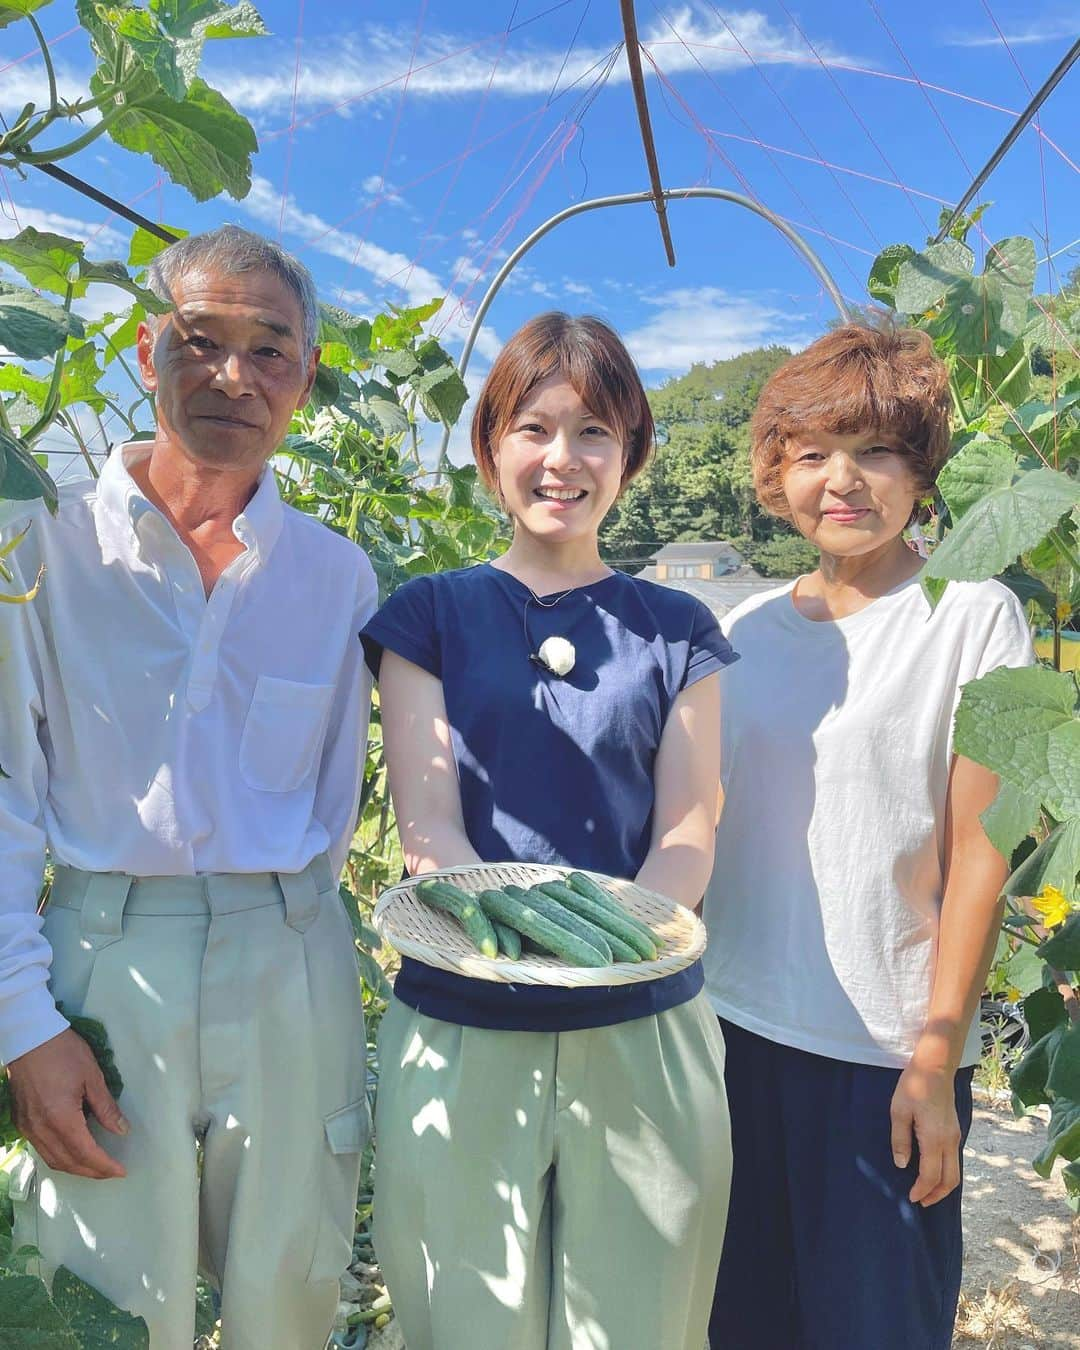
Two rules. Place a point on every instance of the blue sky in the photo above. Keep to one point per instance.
(852, 120)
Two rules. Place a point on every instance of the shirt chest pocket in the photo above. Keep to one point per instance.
(283, 731)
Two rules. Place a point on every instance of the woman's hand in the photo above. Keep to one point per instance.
(923, 1112)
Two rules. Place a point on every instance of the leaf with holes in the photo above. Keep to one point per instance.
(97, 1321)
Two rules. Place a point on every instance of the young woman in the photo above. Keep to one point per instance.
(855, 913)
(553, 1163)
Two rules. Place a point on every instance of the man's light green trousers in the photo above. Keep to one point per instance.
(552, 1191)
(233, 1006)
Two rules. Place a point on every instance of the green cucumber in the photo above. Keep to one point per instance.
(584, 885)
(509, 940)
(530, 923)
(465, 908)
(551, 909)
(615, 924)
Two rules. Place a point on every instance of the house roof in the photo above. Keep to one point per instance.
(697, 552)
(720, 594)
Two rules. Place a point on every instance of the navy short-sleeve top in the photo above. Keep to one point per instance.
(551, 770)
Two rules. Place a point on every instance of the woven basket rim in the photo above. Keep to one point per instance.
(434, 938)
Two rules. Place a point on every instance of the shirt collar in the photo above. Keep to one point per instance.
(257, 526)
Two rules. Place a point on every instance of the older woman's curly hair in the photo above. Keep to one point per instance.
(855, 379)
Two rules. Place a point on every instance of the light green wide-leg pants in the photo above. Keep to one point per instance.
(233, 1006)
(552, 1191)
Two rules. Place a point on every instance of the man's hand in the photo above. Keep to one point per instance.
(924, 1111)
(50, 1085)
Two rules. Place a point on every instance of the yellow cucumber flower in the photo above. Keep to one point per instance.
(1053, 906)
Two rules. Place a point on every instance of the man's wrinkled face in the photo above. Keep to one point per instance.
(227, 367)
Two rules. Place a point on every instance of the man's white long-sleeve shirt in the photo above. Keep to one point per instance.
(148, 729)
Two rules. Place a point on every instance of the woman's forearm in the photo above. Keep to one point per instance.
(970, 919)
(679, 868)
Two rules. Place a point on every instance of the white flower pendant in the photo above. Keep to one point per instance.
(556, 655)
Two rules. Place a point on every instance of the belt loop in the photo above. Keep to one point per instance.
(102, 920)
(301, 897)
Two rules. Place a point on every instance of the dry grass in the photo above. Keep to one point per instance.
(995, 1320)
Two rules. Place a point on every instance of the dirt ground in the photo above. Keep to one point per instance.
(1021, 1242)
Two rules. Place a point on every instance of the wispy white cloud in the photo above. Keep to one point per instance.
(1036, 30)
(394, 274)
(371, 64)
(710, 324)
(105, 239)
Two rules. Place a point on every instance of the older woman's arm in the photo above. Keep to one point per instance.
(923, 1106)
(421, 768)
(686, 779)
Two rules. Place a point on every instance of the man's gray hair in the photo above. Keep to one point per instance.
(230, 249)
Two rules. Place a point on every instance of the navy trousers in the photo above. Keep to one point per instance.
(823, 1249)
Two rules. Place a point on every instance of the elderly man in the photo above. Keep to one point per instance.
(182, 716)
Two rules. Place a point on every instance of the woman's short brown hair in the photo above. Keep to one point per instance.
(856, 379)
(591, 357)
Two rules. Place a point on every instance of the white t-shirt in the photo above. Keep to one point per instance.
(837, 740)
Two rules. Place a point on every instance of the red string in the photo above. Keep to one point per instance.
(855, 113)
(754, 139)
(292, 121)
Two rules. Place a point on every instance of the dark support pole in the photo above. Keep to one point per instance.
(1053, 80)
(103, 199)
(637, 81)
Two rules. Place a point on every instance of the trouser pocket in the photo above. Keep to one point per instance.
(346, 1134)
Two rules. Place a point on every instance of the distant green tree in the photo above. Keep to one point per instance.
(699, 485)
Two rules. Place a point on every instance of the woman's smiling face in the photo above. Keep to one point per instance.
(560, 467)
(849, 493)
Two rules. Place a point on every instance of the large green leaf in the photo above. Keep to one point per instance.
(1028, 1078)
(1055, 862)
(116, 274)
(11, 11)
(202, 143)
(1023, 725)
(981, 466)
(1027, 588)
(1062, 950)
(1063, 1136)
(1007, 521)
(885, 272)
(22, 478)
(98, 1322)
(924, 279)
(191, 23)
(146, 246)
(339, 326)
(1043, 1011)
(29, 1320)
(1009, 278)
(1064, 1077)
(1009, 819)
(32, 327)
(79, 380)
(1033, 416)
(48, 261)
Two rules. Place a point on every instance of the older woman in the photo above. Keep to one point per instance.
(854, 907)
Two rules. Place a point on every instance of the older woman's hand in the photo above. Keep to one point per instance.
(923, 1112)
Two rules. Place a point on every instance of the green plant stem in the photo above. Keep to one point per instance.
(54, 103)
(1062, 545)
(72, 428)
(5, 425)
(126, 418)
(73, 147)
(52, 398)
(958, 401)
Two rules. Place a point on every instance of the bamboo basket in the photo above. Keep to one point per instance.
(435, 938)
